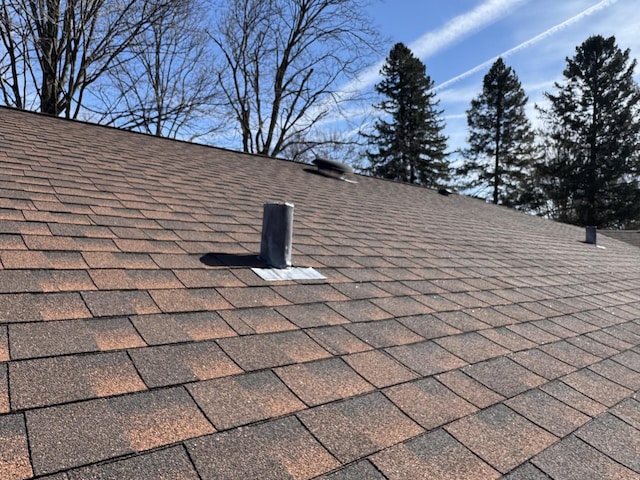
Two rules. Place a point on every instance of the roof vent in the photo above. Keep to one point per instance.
(591, 235)
(277, 234)
(331, 168)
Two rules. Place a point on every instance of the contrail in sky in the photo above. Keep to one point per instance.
(432, 42)
(528, 43)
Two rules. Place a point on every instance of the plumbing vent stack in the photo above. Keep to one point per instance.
(277, 234)
(591, 235)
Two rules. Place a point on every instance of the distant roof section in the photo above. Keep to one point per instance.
(450, 338)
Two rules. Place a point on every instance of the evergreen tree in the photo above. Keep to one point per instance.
(589, 175)
(501, 140)
(411, 146)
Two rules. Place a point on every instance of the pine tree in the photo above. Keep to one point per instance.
(590, 173)
(501, 140)
(411, 146)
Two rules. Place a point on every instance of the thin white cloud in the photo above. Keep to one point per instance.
(433, 42)
(532, 41)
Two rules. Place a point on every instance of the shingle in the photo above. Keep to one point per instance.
(570, 354)
(508, 339)
(359, 310)
(14, 454)
(271, 350)
(378, 368)
(401, 306)
(429, 402)
(175, 364)
(181, 327)
(426, 358)
(4, 344)
(597, 387)
(313, 315)
(118, 303)
(355, 471)
(64, 337)
(629, 411)
(232, 401)
(323, 381)
(383, 333)
(574, 398)
(428, 326)
(547, 412)
(572, 459)
(118, 260)
(279, 449)
(461, 321)
(310, 293)
(44, 306)
(542, 363)
(526, 471)
(4, 389)
(592, 346)
(120, 279)
(618, 373)
(254, 297)
(200, 278)
(533, 333)
(167, 463)
(504, 376)
(189, 300)
(434, 455)
(80, 433)
(614, 438)
(471, 347)
(501, 437)
(359, 426)
(256, 320)
(338, 340)
(49, 381)
(490, 316)
(629, 359)
(361, 290)
(469, 389)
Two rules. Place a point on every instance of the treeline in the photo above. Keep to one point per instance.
(580, 167)
(263, 71)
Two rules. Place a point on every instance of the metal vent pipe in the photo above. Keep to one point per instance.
(591, 235)
(277, 234)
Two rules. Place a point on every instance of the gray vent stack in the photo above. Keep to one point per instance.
(277, 234)
(591, 235)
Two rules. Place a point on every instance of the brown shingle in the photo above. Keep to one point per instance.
(383, 333)
(351, 429)
(379, 369)
(271, 350)
(86, 432)
(312, 315)
(50, 306)
(191, 300)
(434, 455)
(426, 358)
(323, 381)
(471, 347)
(175, 364)
(429, 402)
(597, 387)
(239, 400)
(338, 340)
(278, 449)
(14, 455)
(120, 279)
(74, 336)
(114, 303)
(256, 320)
(48, 381)
(170, 462)
(504, 376)
(572, 459)
(469, 389)
(501, 437)
(181, 327)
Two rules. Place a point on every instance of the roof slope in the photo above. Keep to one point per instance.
(451, 339)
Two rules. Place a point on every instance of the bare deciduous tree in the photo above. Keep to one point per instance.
(168, 87)
(282, 61)
(53, 50)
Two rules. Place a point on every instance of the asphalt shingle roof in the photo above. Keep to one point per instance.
(451, 338)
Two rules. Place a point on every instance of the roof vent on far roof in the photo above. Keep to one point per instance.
(332, 168)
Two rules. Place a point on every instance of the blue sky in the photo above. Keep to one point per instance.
(459, 39)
